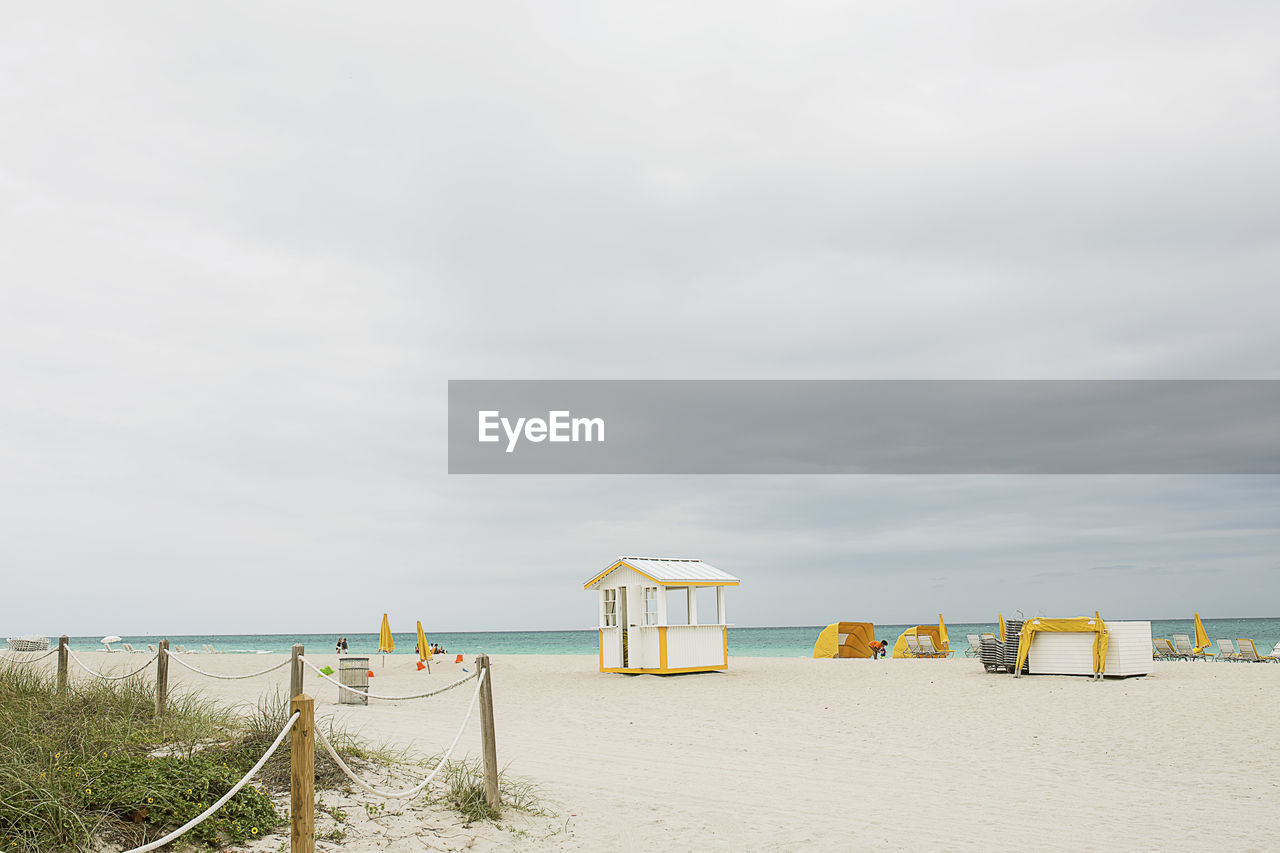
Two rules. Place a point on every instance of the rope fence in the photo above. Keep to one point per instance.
(418, 788)
(372, 695)
(176, 658)
(302, 726)
(5, 656)
(106, 677)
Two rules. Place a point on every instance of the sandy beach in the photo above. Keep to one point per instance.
(795, 754)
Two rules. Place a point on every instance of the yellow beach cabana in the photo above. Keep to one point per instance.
(845, 640)
(635, 633)
(936, 633)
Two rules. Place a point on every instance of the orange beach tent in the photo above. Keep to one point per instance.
(845, 640)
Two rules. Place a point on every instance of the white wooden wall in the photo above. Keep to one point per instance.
(1129, 648)
(695, 645)
(1128, 651)
(612, 657)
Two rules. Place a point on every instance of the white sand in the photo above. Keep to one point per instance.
(792, 754)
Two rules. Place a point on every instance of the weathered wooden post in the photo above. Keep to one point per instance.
(488, 739)
(302, 767)
(162, 677)
(295, 671)
(62, 663)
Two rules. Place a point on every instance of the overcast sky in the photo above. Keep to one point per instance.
(243, 246)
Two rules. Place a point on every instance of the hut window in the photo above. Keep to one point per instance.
(651, 605)
(610, 608)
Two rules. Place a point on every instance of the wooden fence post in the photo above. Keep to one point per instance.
(488, 739)
(302, 767)
(162, 677)
(295, 671)
(62, 663)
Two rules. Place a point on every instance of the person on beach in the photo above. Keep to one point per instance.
(343, 642)
(337, 646)
(878, 649)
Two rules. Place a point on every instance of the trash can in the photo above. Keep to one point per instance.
(353, 672)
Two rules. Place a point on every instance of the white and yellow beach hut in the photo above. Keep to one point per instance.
(636, 635)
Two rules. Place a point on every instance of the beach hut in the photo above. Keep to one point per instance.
(845, 640)
(1085, 646)
(635, 633)
(936, 633)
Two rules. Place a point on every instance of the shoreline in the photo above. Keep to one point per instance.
(744, 642)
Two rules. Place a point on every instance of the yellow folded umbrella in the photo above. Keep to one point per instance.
(942, 632)
(386, 642)
(1000, 616)
(1202, 637)
(424, 651)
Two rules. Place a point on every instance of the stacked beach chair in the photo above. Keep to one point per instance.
(1009, 648)
(992, 654)
(1001, 655)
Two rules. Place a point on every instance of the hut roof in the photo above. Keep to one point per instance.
(670, 571)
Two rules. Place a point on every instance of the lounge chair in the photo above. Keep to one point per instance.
(975, 646)
(150, 648)
(183, 650)
(1182, 643)
(913, 646)
(1275, 652)
(128, 648)
(928, 649)
(1166, 651)
(1226, 651)
(1249, 652)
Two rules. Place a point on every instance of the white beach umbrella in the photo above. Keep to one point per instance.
(112, 639)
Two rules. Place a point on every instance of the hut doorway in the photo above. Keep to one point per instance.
(623, 623)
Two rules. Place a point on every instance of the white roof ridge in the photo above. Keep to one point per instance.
(675, 571)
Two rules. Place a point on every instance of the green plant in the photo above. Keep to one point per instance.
(171, 790)
(50, 740)
(465, 791)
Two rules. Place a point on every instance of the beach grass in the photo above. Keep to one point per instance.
(95, 764)
(464, 791)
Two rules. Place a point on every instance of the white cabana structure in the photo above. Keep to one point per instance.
(635, 633)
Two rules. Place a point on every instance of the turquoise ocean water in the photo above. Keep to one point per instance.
(743, 642)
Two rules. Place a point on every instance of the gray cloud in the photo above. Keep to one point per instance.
(244, 249)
